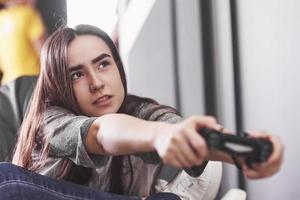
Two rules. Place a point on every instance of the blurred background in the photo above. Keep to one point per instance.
(237, 60)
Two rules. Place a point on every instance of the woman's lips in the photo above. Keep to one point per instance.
(102, 101)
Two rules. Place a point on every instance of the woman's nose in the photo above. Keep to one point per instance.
(96, 83)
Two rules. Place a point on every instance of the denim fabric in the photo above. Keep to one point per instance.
(18, 183)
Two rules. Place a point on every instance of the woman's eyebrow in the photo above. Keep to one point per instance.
(100, 57)
(75, 68)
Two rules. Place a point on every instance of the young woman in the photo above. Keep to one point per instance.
(83, 127)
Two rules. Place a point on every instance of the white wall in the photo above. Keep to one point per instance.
(100, 13)
(149, 56)
(270, 61)
(147, 49)
(190, 64)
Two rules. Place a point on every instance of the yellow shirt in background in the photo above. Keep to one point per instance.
(19, 27)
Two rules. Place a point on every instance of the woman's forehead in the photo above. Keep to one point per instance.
(84, 48)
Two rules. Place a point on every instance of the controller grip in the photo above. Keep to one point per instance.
(254, 150)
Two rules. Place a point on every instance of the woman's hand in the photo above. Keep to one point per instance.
(181, 145)
(272, 165)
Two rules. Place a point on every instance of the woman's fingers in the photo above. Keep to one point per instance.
(252, 173)
(277, 155)
(198, 122)
(272, 165)
(183, 145)
(188, 154)
(184, 152)
(198, 145)
(278, 149)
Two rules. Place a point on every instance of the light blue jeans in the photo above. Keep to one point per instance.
(18, 183)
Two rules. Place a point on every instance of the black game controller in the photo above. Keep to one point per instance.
(253, 150)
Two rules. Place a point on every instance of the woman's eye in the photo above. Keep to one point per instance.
(76, 75)
(103, 64)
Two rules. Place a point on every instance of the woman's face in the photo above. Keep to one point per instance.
(96, 79)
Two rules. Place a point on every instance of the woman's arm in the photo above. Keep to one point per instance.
(177, 144)
(116, 134)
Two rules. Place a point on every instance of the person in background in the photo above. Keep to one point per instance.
(22, 33)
